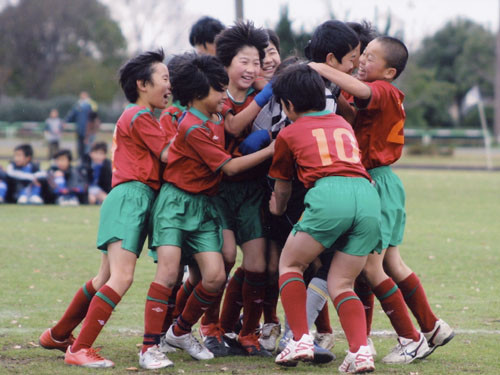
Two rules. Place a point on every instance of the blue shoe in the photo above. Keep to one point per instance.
(322, 355)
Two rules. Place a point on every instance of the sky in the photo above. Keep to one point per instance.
(418, 18)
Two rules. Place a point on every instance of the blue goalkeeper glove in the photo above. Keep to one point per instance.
(255, 141)
(264, 95)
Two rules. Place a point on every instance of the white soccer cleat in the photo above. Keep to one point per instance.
(372, 347)
(164, 346)
(325, 340)
(188, 343)
(35, 199)
(439, 336)
(268, 336)
(359, 362)
(302, 350)
(153, 359)
(23, 199)
(407, 350)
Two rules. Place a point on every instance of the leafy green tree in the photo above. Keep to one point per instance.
(291, 43)
(462, 53)
(40, 40)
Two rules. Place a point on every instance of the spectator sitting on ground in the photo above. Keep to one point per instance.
(24, 177)
(3, 185)
(99, 173)
(67, 182)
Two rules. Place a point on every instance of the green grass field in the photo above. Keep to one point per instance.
(452, 242)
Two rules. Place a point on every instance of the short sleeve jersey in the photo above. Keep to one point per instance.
(197, 154)
(379, 126)
(319, 144)
(138, 141)
(232, 143)
(169, 118)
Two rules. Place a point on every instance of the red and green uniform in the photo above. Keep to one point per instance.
(184, 214)
(379, 130)
(324, 150)
(169, 118)
(138, 142)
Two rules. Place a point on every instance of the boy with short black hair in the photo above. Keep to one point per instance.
(185, 221)
(67, 182)
(203, 33)
(23, 177)
(138, 143)
(99, 173)
(340, 205)
(379, 129)
(241, 49)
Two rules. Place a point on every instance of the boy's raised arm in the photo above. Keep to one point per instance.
(345, 81)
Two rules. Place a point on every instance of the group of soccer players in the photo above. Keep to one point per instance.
(289, 161)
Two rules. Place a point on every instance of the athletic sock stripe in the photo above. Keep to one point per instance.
(157, 300)
(186, 289)
(201, 299)
(89, 297)
(345, 300)
(291, 280)
(183, 325)
(409, 295)
(238, 279)
(318, 290)
(255, 283)
(389, 293)
(106, 299)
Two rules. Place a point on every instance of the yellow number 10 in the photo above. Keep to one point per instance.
(338, 136)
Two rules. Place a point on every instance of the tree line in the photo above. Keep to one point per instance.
(56, 48)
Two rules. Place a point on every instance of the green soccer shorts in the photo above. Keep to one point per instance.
(392, 201)
(189, 221)
(239, 205)
(345, 209)
(124, 216)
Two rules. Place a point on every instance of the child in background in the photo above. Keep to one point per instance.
(99, 173)
(203, 33)
(3, 185)
(24, 177)
(138, 143)
(185, 221)
(53, 132)
(67, 182)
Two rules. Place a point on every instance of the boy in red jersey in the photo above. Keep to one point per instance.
(379, 126)
(138, 143)
(184, 215)
(240, 48)
(341, 205)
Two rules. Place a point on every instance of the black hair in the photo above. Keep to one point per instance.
(290, 60)
(365, 32)
(193, 79)
(230, 41)
(26, 149)
(64, 152)
(139, 68)
(396, 53)
(102, 146)
(302, 86)
(274, 38)
(331, 37)
(205, 30)
(176, 62)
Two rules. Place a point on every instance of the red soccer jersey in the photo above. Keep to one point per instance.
(138, 142)
(379, 126)
(169, 118)
(237, 107)
(320, 144)
(197, 154)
